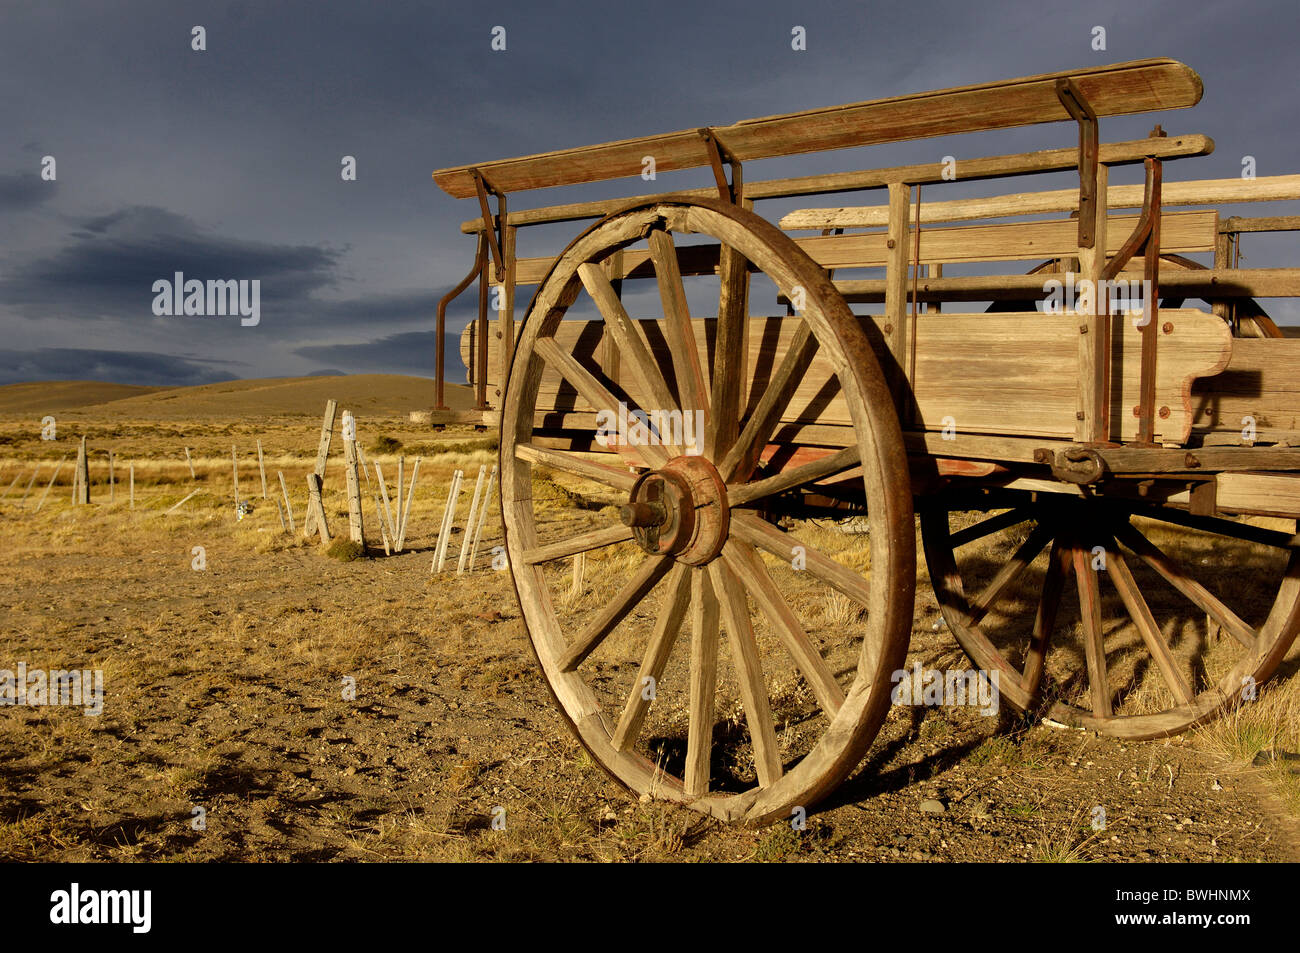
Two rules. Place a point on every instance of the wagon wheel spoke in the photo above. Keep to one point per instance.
(750, 529)
(820, 469)
(638, 587)
(656, 655)
(743, 455)
(572, 545)
(749, 672)
(1058, 567)
(594, 393)
(1093, 647)
(631, 346)
(704, 681)
(1177, 577)
(1009, 573)
(747, 564)
(987, 527)
(612, 477)
(730, 352)
(1224, 527)
(1122, 578)
(691, 385)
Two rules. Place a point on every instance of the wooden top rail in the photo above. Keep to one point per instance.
(1117, 89)
(1274, 223)
(1202, 192)
(968, 170)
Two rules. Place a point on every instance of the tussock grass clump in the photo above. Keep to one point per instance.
(345, 550)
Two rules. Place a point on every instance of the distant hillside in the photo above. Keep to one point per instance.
(387, 394)
(48, 396)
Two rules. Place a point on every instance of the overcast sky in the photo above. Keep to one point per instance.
(225, 163)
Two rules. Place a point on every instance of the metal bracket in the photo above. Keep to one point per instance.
(1076, 464)
(492, 227)
(1081, 111)
(719, 154)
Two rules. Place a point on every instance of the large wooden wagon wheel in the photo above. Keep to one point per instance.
(775, 715)
(1175, 616)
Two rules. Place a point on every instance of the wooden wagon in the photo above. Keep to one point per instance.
(1147, 450)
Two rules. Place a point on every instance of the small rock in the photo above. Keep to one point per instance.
(350, 770)
(1215, 785)
(931, 806)
(645, 799)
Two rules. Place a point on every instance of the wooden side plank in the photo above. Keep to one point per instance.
(1013, 373)
(1270, 188)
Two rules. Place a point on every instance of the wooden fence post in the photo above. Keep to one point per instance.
(288, 508)
(482, 515)
(280, 510)
(112, 481)
(83, 474)
(234, 468)
(132, 484)
(322, 455)
(355, 528)
(193, 477)
(469, 520)
(17, 476)
(261, 468)
(316, 508)
(579, 570)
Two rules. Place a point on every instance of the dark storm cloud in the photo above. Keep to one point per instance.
(21, 191)
(410, 352)
(109, 264)
(225, 163)
(127, 367)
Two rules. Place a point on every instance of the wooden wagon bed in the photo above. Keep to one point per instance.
(842, 367)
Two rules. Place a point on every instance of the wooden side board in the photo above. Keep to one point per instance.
(1116, 89)
(1013, 374)
(1180, 232)
(1259, 387)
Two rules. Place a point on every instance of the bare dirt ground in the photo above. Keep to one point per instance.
(225, 692)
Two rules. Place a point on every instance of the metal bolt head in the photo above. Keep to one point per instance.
(1168, 327)
(1164, 413)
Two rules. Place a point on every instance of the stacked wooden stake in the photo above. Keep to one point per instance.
(406, 508)
(469, 520)
(23, 499)
(448, 522)
(482, 516)
(50, 485)
(288, 507)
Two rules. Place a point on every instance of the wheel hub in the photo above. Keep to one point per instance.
(680, 510)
